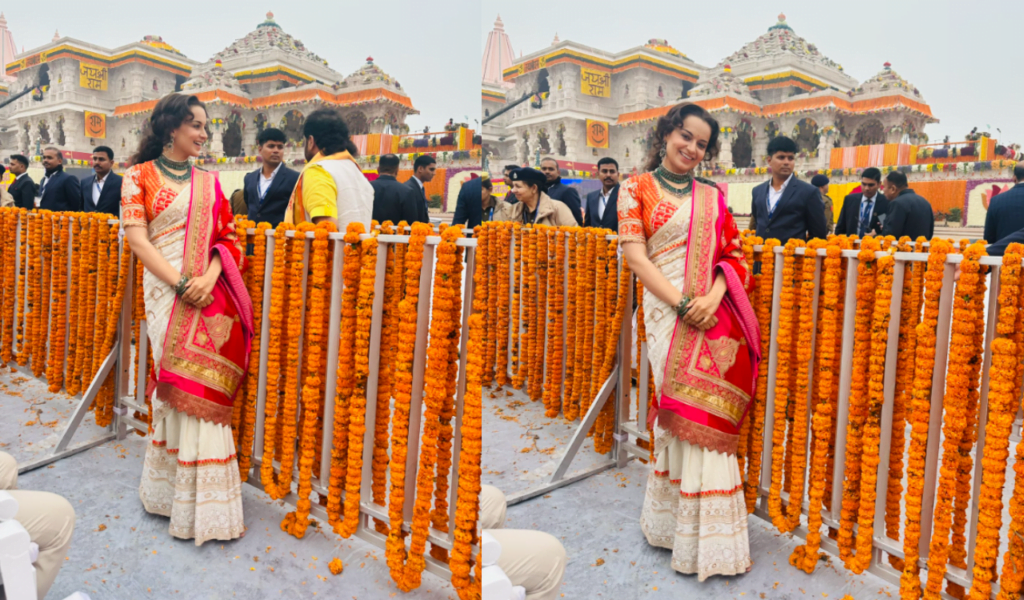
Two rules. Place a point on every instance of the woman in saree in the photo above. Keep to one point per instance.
(703, 345)
(199, 322)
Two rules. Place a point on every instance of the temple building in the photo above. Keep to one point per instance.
(101, 96)
(585, 103)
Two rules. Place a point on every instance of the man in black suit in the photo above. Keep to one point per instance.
(559, 191)
(23, 189)
(785, 207)
(1006, 210)
(862, 214)
(908, 214)
(58, 191)
(267, 190)
(392, 201)
(602, 205)
(101, 192)
(423, 169)
(469, 208)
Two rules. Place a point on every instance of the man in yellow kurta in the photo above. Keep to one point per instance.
(331, 186)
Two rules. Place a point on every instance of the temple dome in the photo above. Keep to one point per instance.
(370, 75)
(216, 77)
(780, 39)
(158, 42)
(663, 46)
(721, 81)
(268, 35)
(886, 80)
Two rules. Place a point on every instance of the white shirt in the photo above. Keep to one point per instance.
(870, 212)
(97, 188)
(21, 175)
(773, 196)
(265, 182)
(604, 203)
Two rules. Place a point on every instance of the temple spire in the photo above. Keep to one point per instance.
(498, 54)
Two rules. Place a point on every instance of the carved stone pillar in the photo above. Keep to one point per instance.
(760, 149)
(725, 152)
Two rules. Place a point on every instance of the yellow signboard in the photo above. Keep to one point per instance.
(95, 125)
(595, 83)
(92, 77)
(597, 134)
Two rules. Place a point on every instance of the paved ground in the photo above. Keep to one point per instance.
(120, 552)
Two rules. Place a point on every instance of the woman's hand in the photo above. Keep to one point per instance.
(701, 313)
(199, 291)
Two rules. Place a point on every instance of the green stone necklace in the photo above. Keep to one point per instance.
(166, 165)
(674, 183)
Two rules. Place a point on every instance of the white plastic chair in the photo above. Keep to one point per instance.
(17, 555)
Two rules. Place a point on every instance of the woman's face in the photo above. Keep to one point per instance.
(685, 147)
(191, 135)
(524, 192)
(485, 196)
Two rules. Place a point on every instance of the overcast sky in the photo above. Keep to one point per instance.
(428, 47)
(963, 56)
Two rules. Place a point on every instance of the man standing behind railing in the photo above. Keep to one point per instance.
(785, 207)
(1006, 210)
(862, 212)
(908, 214)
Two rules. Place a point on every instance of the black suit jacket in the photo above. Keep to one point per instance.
(275, 203)
(393, 201)
(1005, 214)
(469, 208)
(24, 191)
(110, 197)
(568, 196)
(799, 213)
(63, 192)
(422, 216)
(849, 215)
(998, 248)
(610, 220)
(909, 214)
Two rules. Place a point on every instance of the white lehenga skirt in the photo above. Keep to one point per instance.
(694, 503)
(191, 470)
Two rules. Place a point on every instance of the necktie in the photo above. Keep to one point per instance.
(604, 203)
(865, 212)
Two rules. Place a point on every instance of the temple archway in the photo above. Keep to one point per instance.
(233, 135)
(357, 123)
(291, 125)
(743, 147)
(869, 133)
(806, 136)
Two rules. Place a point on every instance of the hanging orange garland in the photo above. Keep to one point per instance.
(859, 396)
(503, 301)
(40, 352)
(275, 356)
(357, 402)
(407, 331)
(871, 436)
(385, 379)
(955, 404)
(58, 307)
(763, 309)
(518, 266)
(257, 274)
(536, 380)
(10, 229)
(34, 256)
(924, 365)
(525, 312)
(605, 425)
(556, 300)
(1006, 355)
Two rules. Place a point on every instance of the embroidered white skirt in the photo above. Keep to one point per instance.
(694, 506)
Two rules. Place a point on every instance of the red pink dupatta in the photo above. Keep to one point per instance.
(206, 351)
(710, 375)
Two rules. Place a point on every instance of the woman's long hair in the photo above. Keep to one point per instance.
(673, 120)
(170, 113)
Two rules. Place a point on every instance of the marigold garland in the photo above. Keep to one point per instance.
(763, 309)
(806, 557)
(605, 424)
(787, 304)
(23, 335)
(536, 379)
(117, 282)
(34, 261)
(257, 278)
(570, 325)
(924, 364)
(436, 388)
(10, 229)
(40, 359)
(93, 361)
(584, 322)
(58, 307)
(493, 258)
(521, 312)
(955, 404)
(518, 267)
(385, 379)
(439, 517)
(859, 401)
(503, 300)
(1006, 355)
(275, 356)
(555, 310)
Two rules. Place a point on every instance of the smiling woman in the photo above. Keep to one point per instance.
(200, 320)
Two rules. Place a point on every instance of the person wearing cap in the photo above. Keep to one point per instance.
(534, 206)
(393, 201)
(821, 182)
